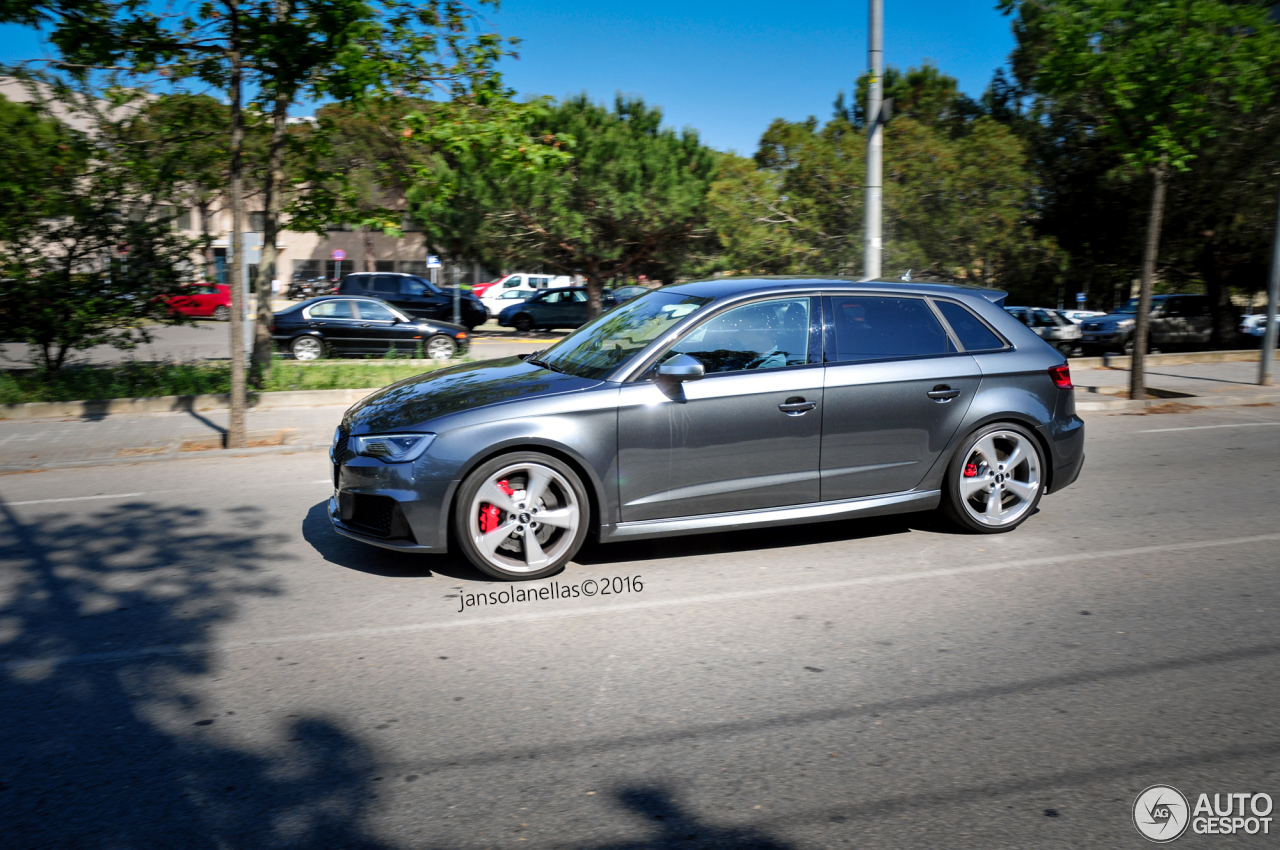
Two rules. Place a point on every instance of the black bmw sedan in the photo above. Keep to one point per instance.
(338, 326)
(712, 406)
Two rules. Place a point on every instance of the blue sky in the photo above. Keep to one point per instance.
(723, 68)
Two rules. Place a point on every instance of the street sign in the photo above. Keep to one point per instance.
(433, 262)
(339, 255)
(1080, 298)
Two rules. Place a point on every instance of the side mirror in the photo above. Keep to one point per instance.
(681, 368)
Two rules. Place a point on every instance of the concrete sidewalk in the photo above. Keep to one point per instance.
(1198, 384)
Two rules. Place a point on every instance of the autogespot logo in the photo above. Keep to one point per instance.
(1160, 813)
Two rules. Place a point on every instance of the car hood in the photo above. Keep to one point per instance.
(416, 401)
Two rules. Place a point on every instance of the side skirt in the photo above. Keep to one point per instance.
(866, 506)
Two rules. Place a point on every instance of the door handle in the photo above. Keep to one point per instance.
(942, 393)
(797, 406)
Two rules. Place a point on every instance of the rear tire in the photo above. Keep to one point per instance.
(994, 482)
(523, 323)
(534, 530)
(222, 313)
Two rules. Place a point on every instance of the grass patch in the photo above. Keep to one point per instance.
(134, 379)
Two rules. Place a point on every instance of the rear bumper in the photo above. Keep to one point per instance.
(1066, 452)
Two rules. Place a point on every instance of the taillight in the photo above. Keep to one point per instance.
(1061, 376)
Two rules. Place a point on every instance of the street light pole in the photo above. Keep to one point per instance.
(875, 140)
(1273, 295)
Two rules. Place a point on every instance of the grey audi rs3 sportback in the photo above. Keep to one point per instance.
(716, 405)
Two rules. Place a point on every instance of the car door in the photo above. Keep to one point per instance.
(337, 322)
(550, 310)
(575, 308)
(896, 388)
(745, 437)
(380, 330)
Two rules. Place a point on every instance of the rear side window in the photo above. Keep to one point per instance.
(332, 310)
(873, 327)
(386, 284)
(972, 332)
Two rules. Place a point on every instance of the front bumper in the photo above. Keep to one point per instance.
(1103, 337)
(413, 508)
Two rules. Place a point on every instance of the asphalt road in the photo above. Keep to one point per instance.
(202, 340)
(191, 658)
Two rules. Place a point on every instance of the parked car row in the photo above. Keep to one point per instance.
(338, 325)
(1052, 327)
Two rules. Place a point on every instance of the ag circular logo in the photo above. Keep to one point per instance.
(1161, 813)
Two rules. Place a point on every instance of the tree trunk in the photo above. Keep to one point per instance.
(1137, 381)
(210, 265)
(595, 289)
(236, 426)
(367, 239)
(273, 189)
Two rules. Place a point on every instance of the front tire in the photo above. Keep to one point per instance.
(222, 313)
(307, 348)
(521, 516)
(523, 323)
(440, 347)
(995, 481)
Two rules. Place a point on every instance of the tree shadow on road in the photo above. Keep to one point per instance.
(111, 744)
(675, 827)
(374, 560)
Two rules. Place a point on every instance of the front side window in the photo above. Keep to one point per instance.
(332, 310)
(415, 286)
(614, 338)
(579, 295)
(876, 327)
(512, 282)
(387, 284)
(765, 335)
(972, 332)
(1044, 319)
(376, 312)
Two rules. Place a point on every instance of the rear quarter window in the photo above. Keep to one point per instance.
(972, 332)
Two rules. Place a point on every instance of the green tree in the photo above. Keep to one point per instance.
(632, 195)
(88, 253)
(1153, 78)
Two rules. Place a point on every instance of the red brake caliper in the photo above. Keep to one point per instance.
(970, 470)
(491, 515)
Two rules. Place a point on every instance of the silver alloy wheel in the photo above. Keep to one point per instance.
(307, 348)
(222, 313)
(536, 523)
(1000, 478)
(440, 348)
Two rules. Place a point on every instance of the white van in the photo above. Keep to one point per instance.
(515, 287)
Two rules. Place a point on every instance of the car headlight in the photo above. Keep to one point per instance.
(392, 448)
(1124, 323)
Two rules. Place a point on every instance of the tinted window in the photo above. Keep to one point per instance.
(1044, 319)
(614, 338)
(767, 335)
(555, 297)
(332, 310)
(973, 334)
(387, 284)
(415, 286)
(513, 282)
(579, 295)
(877, 327)
(376, 312)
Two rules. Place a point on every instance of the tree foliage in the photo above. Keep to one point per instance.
(631, 196)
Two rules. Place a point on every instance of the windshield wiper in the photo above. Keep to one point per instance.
(545, 365)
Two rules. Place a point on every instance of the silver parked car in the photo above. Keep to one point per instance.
(714, 405)
(1050, 326)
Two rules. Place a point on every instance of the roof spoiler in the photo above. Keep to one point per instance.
(995, 296)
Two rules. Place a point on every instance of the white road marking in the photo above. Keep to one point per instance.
(1207, 427)
(80, 498)
(328, 481)
(488, 622)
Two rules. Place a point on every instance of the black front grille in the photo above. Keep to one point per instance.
(373, 513)
(339, 453)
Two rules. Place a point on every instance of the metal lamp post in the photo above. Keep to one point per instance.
(875, 141)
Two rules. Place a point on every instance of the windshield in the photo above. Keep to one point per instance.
(599, 347)
(1131, 307)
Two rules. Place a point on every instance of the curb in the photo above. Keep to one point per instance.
(177, 404)
(1123, 405)
(1123, 361)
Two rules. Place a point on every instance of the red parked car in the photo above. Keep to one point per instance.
(204, 301)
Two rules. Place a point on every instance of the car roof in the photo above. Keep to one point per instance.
(724, 287)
